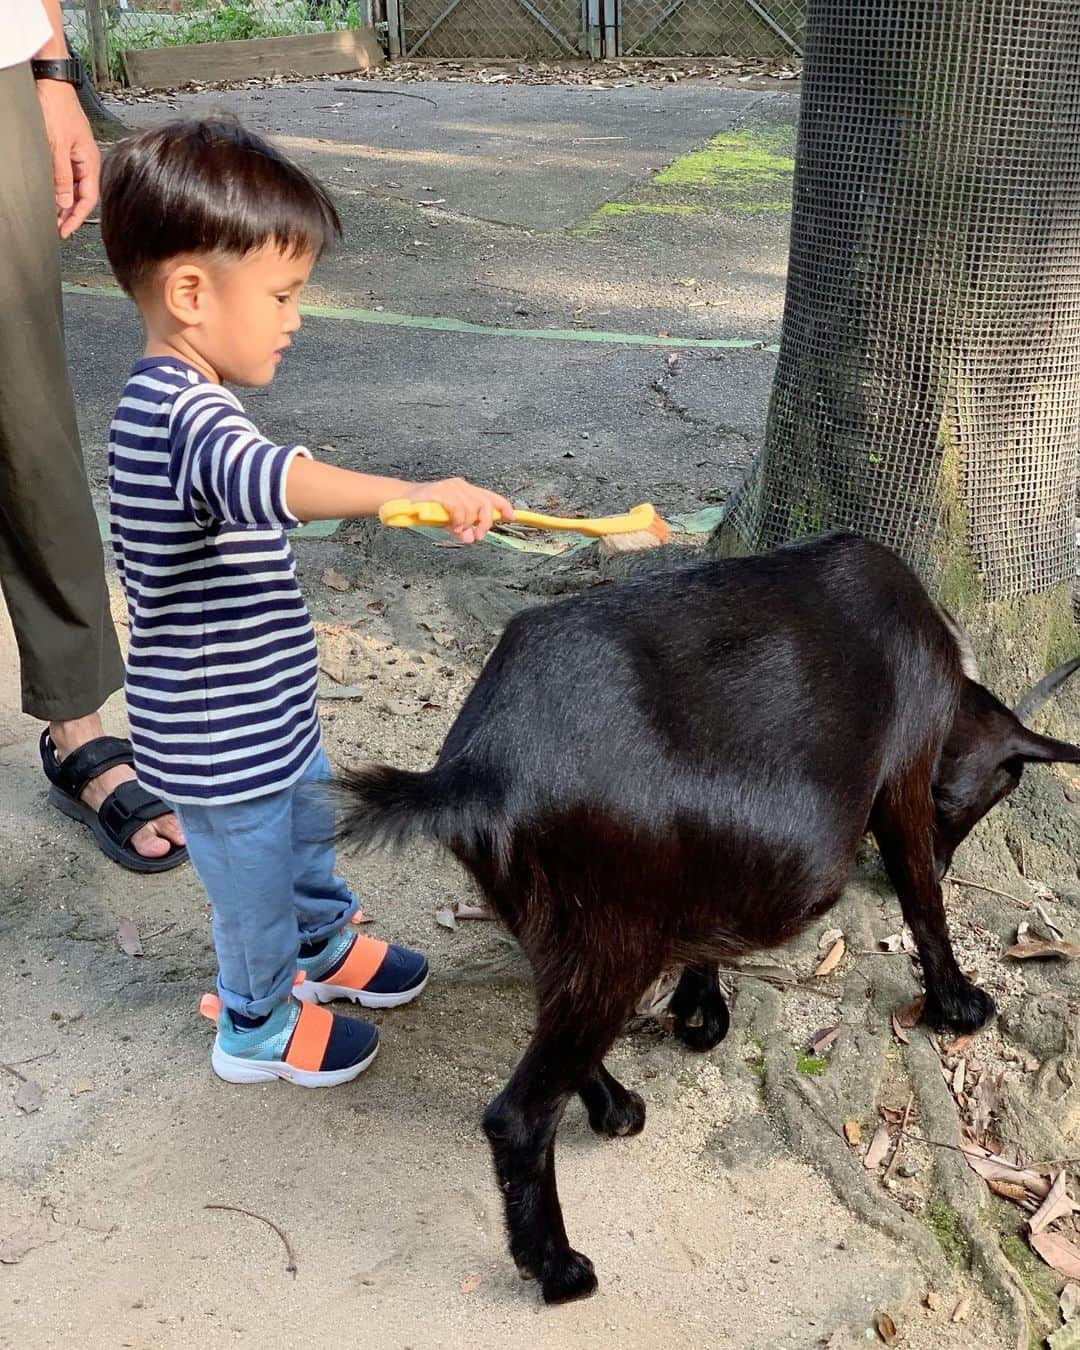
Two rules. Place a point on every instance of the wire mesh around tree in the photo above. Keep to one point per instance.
(928, 383)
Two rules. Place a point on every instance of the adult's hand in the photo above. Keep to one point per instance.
(75, 156)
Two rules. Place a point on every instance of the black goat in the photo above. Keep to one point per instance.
(677, 768)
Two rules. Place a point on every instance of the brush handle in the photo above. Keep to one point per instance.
(404, 512)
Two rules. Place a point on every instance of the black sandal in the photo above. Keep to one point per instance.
(122, 813)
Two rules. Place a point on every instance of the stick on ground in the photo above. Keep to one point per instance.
(235, 1209)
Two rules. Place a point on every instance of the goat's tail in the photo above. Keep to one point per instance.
(388, 807)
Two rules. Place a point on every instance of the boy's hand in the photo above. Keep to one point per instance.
(473, 510)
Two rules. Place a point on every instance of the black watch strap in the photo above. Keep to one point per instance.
(71, 71)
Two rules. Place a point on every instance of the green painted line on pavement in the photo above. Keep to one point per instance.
(436, 324)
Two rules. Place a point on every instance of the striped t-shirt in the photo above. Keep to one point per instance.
(222, 662)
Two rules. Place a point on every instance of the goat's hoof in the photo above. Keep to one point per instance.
(619, 1117)
(965, 1009)
(706, 1026)
(568, 1276)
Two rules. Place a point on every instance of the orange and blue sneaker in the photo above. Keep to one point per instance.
(299, 1042)
(365, 970)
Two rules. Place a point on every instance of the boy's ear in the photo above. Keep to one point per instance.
(184, 293)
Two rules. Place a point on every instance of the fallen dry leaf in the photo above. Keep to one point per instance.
(1041, 948)
(1052, 928)
(958, 1078)
(992, 1169)
(933, 1301)
(879, 1146)
(127, 935)
(833, 958)
(821, 1040)
(962, 1309)
(471, 1283)
(82, 1085)
(464, 911)
(893, 943)
(445, 918)
(28, 1097)
(1058, 1252)
(910, 1013)
(828, 938)
(987, 1103)
(852, 1133)
(1057, 1204)
(899, 1032)
(654, 1001)
(333, 578)
(1009, 1190)
(886, 1328)
(958, 1046)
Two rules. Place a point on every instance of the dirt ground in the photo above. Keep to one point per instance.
(742, 1216)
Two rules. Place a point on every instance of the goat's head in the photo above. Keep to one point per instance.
(984, 756)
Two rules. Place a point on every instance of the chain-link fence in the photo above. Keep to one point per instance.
(710, 27)
(489, 29)
(547, 30)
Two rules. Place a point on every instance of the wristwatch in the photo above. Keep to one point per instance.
(70, 71)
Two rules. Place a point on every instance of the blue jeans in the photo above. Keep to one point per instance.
(267, 866)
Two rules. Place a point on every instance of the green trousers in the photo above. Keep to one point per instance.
(51, 565)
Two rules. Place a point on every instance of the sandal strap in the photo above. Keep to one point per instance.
(128, 809)
(72, 774)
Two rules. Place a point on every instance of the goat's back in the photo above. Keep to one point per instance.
(799, 662)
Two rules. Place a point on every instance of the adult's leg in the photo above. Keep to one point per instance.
(51, 568)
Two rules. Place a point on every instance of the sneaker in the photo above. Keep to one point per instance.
(372, 973)
(302, 1043)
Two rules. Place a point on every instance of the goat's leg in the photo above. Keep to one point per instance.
(698, 1006)
(903, 826)
(564, 1055)
(613, 1109)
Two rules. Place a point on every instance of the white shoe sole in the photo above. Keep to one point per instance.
(315, 991)
(233, 1069)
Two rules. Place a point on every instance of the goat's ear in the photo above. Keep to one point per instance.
(1035, 749)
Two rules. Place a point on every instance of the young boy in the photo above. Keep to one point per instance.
(214, 233)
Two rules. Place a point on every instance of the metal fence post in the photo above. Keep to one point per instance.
(591, 30)
(99, 47)
(395, 37)
(611, 28)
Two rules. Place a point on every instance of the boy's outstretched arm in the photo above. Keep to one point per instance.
(315, 491)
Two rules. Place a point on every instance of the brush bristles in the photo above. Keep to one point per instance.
(658, 534)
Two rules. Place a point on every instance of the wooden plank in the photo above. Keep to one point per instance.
(337, 53)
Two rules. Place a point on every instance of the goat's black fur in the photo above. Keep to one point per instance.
(678, 768)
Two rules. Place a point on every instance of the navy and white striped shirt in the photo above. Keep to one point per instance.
(222, 663)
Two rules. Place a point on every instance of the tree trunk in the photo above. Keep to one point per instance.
(927, 391)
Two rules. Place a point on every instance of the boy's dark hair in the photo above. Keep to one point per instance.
(206, 186)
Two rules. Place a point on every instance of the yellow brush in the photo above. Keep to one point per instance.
(638, 528)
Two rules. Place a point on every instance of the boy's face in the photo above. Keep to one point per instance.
(249, 310)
